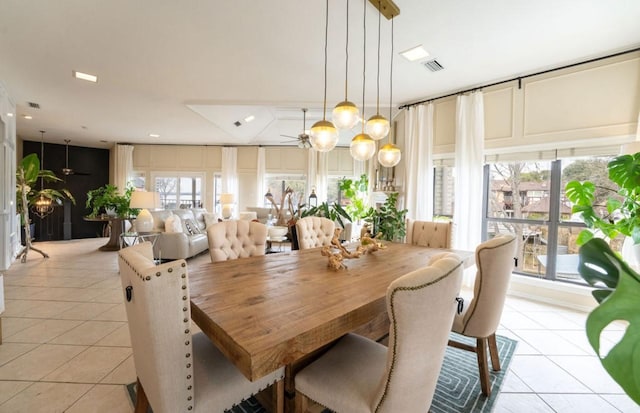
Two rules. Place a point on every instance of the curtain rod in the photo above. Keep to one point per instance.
(519, 78)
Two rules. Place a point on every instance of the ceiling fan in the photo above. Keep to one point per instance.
(303, 138)
(66, 170)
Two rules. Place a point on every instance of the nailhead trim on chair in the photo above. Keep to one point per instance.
(395, 327)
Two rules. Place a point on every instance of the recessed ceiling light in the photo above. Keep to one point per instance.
(85, 76)
(415, 53)
(28, 117)
(154, 135)
(249, 118)
(9, 114)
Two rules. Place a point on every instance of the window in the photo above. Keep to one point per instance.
(181, 190)
(443, 191)
(277, 184)
(138, 180)
(527, 199)
(217, 191)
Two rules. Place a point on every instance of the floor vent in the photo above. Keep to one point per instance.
(34, 105)
(433, 65)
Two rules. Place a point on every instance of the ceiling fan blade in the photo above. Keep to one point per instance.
(289, 136)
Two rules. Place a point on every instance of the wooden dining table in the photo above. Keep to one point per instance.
(271, 311)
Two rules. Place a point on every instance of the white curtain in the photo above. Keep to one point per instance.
(260, 176)
(322, 176)
(467, 216)
(419, 162)
(230, 171)
(312, 173)
(124, 166)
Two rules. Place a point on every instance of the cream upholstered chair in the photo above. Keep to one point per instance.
(229, 240)
(429, 234)
(177, 371)
(481, 316)
(360, 375)
(314, 232)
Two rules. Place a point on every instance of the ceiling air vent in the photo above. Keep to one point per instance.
(433, 65)
(34, 105)
(237, 123)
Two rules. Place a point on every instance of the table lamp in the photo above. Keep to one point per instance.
(227, 200)
(144, 200)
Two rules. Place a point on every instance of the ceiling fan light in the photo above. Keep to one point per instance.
(345, 115)
(362, 147)
(389, 155)
(377, 127)
(324, 136)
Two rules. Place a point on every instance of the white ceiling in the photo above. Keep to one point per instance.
(188, 70)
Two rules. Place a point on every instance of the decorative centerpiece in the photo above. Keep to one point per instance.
(337, 253)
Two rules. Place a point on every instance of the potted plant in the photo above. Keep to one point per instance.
(622, 212)
(618, 292)
(108, 200)
(356, 192)
(27, 174)
(334, 212)
(388, 219)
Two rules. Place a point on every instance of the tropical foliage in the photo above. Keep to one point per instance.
(107, 197)
(356, 191)
(388, 220)
(334, 212)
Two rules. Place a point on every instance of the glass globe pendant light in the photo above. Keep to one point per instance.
(323, 134)
(362, 147)
(389, 155)
(346, 114)
(378, 126)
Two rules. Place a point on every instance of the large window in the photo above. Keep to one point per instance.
(184, 190)
(527, 199)
(443, 191)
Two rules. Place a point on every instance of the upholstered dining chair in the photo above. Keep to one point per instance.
(229, 240)
(429, 234)
(177, 371)
(480, 317)
(359, 375)
(314, 232)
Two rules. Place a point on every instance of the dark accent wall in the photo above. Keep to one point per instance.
(91, 168)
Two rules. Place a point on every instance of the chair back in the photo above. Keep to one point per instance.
(230, 240)
(159, 319)
(494, 261)
(421, 306)
(314, 232)
(430, 234)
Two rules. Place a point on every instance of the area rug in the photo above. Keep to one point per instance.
(458, 389)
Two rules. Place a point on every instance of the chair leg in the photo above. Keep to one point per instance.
(493, 350)
(302, 403)
(481, 351)
(278, 389)
(142, 403)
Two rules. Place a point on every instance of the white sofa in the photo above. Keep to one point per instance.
(191, 241)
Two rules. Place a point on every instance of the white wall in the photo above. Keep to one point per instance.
(151, 159)
(9, 235)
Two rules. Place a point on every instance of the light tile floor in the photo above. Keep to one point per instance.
(66, 343)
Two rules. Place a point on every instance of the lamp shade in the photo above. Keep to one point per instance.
(345, 115)
(389, 155)
(143, 199)
(227, 199)
(377, 127)
(362, 147)
(324, 136)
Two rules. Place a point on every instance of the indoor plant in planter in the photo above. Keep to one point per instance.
(618, 292)
(27, 174)
(388, 220)
(109, 201)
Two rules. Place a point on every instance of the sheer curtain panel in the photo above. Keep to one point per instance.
(124, 166)
(230, 171)
(419, 162)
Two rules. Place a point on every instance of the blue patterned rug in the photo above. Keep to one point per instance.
(458, 388)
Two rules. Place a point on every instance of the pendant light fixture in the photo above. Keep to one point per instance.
(43, 205)
(362, 146)
(346, 114)
(389, 155)
(323, 134)
(378, 126)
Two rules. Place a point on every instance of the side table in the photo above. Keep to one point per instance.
(128, 239)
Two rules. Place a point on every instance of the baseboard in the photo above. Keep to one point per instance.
(576, 297)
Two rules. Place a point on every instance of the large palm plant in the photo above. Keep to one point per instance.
(27, 175)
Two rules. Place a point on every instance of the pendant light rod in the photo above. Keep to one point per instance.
(326, 41)
(346, 53)
(42, 157)
(378, 69)
(391, 83)
(364, 58)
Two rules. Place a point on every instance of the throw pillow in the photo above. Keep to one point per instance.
(210, 218)
(172, 224)
(191, 227)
